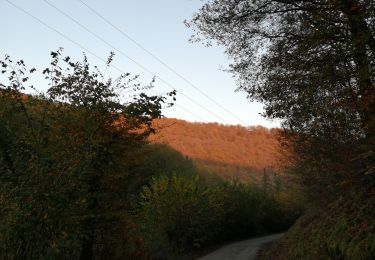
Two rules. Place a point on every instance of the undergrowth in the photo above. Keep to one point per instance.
(344, 229)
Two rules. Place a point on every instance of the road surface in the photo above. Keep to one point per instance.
(244, 250)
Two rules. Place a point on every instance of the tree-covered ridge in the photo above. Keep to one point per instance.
(231, 151)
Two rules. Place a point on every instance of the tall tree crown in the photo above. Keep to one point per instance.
(311, 62)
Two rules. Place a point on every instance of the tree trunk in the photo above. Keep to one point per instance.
(89, 224)
(362, 42)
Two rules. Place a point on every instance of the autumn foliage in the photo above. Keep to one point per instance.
(230, 151)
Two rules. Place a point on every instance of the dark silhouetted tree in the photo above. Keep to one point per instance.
(65, 157)
(312, 64)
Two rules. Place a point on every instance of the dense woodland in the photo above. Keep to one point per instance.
(232, 152)
(80, 180)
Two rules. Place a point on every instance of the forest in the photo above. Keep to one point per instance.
(232, 152)
(81, 180)
(91, 169)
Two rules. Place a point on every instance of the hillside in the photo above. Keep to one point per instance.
(229, 151)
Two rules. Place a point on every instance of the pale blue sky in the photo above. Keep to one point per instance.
(157, 25)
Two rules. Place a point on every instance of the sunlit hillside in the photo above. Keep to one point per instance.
(230, 151)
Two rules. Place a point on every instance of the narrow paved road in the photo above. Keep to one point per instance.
(244, 250)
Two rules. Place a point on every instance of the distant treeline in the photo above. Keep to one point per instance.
(233, 152)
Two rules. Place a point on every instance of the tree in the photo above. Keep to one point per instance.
(65, 157)
(312, 64)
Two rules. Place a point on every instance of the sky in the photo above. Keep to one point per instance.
(155, 25)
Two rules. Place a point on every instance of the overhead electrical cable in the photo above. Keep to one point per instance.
(131, 59)
(85, 49)
(159, 60)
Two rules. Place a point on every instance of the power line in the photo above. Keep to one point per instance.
(159, 60)
(84, 48)
(131, 59)
(56, 31)
(191, 113)
(186, 110)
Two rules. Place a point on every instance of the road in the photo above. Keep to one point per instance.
(244, 250)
